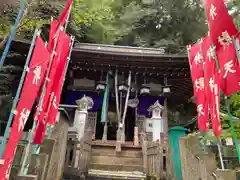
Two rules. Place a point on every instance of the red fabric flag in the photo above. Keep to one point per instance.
(56, 74)
(64, 15)
(55, 24)
(212, 82)
(58, 84)
(56, 60)
(34, 78)
(52, 33)
(221, 24)
(197, 73)
(39, 133)
(230, 70)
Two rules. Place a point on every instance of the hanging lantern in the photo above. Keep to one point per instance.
(100, 86)
(123, 87)
(166, 88)
(145, 90)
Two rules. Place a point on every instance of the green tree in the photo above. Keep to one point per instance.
(173, 23)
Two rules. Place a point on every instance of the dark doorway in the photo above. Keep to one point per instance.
(129, 124)
(99, 126)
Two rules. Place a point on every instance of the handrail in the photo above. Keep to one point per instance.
(214, 175)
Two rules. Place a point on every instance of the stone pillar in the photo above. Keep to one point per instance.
(80, 121)
(56, 150)
(157, 120)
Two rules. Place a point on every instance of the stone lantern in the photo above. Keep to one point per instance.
(156, 110)
(157, 121)
(84, 104)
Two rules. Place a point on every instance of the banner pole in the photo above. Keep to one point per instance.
(219, 145)
(42, 95)
(10, 119)
(232, 129)
(40, 102)
(12, 33)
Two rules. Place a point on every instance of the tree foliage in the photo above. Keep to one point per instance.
(172, 23)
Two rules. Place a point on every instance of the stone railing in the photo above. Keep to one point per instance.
(48, 164)
(156, 157)
(78, 156)
(197, 164)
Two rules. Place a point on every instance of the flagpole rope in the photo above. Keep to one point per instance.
(10, 119)
(12, 33)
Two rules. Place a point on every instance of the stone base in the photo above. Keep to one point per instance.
(122, 138)
(104, 138)
(118, 146)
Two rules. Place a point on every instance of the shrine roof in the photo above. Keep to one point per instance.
(88, 60)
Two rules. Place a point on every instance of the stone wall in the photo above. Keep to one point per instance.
(57, 157)
(198, 165)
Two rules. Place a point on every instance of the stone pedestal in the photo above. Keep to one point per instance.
(79, 123)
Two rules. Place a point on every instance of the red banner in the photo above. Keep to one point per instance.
(58, 84)
(212, 82)
(64, 15)
(56, 77)
(52, 33)
(33, 80)
(56, 60)
(221, 23)
(230, 70)
(197, 73)
(55, 24)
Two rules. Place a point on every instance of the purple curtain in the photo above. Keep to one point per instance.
(144, 101)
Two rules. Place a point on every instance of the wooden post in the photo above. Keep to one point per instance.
(165, 117)
(136, 140)
(125, 106)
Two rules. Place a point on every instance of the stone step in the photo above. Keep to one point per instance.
(116, 167)
(127, 145)
(100, 174)
(112, 152)
(117, 160)
(112, 178)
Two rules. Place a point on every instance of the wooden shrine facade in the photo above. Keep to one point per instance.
(91, 60)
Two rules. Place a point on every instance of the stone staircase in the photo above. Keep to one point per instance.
(106, 163)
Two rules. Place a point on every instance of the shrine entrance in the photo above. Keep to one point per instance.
(113, 125)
